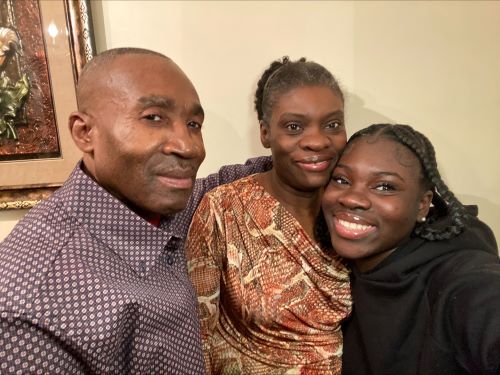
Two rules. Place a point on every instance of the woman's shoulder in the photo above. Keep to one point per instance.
(242, 189)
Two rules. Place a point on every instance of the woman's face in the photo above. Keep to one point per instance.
(374, 199)
(305, 133)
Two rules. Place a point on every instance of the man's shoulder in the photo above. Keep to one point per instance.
(51, 213)
(40, 233)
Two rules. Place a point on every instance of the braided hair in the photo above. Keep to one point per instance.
(284, 75)
(447, 216)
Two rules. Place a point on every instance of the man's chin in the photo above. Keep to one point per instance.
(172, 205)
(161, 205)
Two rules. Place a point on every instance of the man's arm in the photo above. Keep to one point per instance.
(226, 174)
(230, 173)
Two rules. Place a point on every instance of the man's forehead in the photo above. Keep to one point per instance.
(143, 72)
(140, 64)
(128, 73)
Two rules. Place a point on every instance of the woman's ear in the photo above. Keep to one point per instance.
(81, 131)
(424, 205)
(264, 134)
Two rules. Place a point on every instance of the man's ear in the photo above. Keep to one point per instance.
(264, 134)
(424, 205)
(81, 131)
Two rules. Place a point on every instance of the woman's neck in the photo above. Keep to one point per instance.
(303, 205)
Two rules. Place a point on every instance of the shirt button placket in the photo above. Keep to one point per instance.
(169, 252)
(142, 267)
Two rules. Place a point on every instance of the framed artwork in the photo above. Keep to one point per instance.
(43, 47)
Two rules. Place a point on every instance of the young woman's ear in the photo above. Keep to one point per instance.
(264, 134)
(81, 131)
(424, 206)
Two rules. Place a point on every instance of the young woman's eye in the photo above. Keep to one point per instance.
(385, 187)
(293, 127)
(340, 180)
(194, 125)
(153, 117)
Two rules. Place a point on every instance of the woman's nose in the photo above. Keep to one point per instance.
(315, 139)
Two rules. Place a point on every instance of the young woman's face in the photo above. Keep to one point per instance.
(374, 199)
(305, 133)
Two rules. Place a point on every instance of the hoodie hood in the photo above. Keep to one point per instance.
(414, 255)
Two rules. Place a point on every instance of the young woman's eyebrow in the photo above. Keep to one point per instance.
(378, 173)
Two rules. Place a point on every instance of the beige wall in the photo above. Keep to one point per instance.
(433, 65)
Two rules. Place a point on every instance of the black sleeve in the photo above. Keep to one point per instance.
(466, 308)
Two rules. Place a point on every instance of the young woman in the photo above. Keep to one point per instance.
(425, 272)
(271, 298)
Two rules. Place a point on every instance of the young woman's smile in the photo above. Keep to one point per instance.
(374, 198)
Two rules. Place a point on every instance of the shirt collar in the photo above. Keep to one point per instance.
(132, 238)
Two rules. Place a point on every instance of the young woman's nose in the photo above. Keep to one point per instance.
(354, 198)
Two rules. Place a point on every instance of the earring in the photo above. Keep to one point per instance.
(422, 220)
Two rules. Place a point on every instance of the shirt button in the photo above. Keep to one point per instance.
(169, 260)
(142, 266)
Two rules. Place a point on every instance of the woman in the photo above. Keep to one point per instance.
(270, 298)
(425, 280)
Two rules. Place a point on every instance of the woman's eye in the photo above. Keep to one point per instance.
(194, 125)
(153, 117)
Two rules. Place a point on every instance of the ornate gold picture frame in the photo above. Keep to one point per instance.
(52, 64)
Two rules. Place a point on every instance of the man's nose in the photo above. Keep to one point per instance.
(182, 141)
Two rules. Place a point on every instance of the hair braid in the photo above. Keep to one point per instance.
(447, 217)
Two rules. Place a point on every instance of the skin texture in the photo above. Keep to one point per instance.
(306, 124)
(139, 127)
(376, 188)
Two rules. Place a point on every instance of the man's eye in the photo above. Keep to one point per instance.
(194, 125)
(153, 117)
(333, 125)
(385, 187)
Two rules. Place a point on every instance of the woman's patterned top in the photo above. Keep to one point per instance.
(270, 299)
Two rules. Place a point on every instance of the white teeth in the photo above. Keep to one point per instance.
(353, 226)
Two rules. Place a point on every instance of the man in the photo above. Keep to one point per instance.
(94, 279)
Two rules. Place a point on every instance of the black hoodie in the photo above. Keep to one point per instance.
(431, 307)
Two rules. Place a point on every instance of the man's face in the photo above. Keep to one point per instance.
(146, 137)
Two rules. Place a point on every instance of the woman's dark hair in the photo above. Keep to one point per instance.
(447, 217)
(284, 75)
